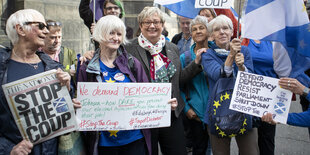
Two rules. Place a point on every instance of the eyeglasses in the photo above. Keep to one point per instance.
(156, 23)
(54, 24)
(112, 7)
(40, 24)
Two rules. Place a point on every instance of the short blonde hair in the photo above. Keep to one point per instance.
(150, 11)
(221, 19)
(106, 25)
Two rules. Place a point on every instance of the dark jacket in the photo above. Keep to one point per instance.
(86, 13)
(90, 72)
(180, 77)
(9, 133)
(176, 38)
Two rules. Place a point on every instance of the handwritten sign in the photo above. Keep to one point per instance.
(256, 95)
(221, 4)
(123, 106)
(41, 107)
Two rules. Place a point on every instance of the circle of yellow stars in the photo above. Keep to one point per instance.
(217, 104)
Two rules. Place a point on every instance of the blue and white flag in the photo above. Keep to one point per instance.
(284, 21)
(185, 8)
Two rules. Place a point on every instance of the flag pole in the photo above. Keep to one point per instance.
(239, 14)
(94, 11)
(92, 43)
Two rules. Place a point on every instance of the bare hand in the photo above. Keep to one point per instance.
(64, 78)
(72, 72)
(292, 84)
(22, 148)
(76, 103)
(87, 56)
(235, 46)
(92, 27)
(191, 114)
(198, 55)
(174, 103)
(239, 60)
(268, 118)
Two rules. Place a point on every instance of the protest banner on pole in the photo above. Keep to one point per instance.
(123, 106)
(41, 107)
(220, 4)
(256, 95)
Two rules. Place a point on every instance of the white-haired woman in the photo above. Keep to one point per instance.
(110, 64)
(195, 93)
(224, 59)
(160, 60)
(26, 29)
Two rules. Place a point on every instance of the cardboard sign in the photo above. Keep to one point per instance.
(123, 106)
(256, 95)
(41, 107)
(221, 4)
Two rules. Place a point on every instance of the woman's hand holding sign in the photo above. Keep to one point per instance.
(64, 78)
(22, 148)
(174, 103)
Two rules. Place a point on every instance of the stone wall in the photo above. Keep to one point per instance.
(75, 34)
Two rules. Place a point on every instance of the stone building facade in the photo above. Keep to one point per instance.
(75, 34)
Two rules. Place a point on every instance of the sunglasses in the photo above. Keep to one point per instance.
(54, 24)
(40, 24)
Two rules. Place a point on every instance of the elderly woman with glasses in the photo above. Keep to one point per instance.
(27, 30)
(224, 59)
(160, 60)
(110, 64)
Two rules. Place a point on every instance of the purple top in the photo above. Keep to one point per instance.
(98, 8)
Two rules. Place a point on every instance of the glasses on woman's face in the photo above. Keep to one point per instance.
(109, 8)
(40, 24)
(155, 23)
(54, 24)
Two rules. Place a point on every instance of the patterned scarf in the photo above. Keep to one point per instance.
(161, 68)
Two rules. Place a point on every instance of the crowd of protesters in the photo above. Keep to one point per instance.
(195, 62)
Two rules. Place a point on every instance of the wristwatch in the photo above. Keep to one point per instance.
(305, 92)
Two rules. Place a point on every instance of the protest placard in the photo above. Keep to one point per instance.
(256, 95)
(41, 107)
(123, 106)
(221, 4)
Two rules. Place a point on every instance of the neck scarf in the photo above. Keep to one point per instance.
(219, 51)
(161, 67)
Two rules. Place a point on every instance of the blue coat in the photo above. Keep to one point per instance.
(9, 133)
(213, 65)
(197, 88)
(300, 119)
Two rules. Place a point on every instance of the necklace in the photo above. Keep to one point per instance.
(35, 66)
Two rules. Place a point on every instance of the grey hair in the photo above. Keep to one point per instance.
(106, 25)
(150, 11)
(199, 20)
(221, 19)
(19, 18)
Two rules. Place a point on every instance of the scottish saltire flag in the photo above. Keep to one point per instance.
(284, 21)
(234, 13)
(289, 63)
(185, 8)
